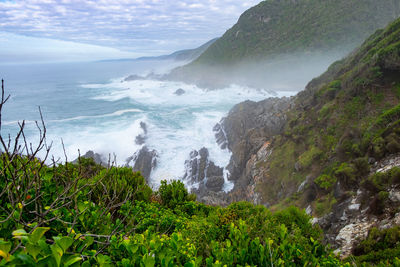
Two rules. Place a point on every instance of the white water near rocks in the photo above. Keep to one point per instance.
(90, 107)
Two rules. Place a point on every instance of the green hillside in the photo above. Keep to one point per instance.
(341, 126)
(276, 27)
(272, 40)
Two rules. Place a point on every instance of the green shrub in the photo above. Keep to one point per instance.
(174, 194)
(380, 246)
(307, 158)
(326, 181)
(346, 173)
(119, 184)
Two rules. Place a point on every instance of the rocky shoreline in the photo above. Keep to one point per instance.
(248, 132)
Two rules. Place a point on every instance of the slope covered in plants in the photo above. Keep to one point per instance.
(283, 35)
(276, 27)
(338, 153)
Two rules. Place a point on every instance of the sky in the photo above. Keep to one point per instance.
(73, 30)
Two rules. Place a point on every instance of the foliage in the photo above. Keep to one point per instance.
(325, 181)
(280, 27)
(174, 193)
(381, 246)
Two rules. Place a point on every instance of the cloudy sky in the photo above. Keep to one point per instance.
(89, 29)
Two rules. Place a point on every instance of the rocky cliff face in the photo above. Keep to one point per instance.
(247, 132)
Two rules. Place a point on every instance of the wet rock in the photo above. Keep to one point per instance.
(198, 167)
(141, 138)
(92, 155)
(179, 92)
(203, 173)
(144, 161)
(246, 129)
(220, 136)
(215, 183)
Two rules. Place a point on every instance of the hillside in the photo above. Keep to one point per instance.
(275, 30)
(183, 55)
(338, 148)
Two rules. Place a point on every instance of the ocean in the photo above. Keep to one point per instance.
(89, 106)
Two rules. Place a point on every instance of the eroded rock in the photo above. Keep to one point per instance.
(144, 161)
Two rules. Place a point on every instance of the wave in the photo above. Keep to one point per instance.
(114, 114)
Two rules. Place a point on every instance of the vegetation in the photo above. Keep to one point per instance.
(345, 120)
(83, 214)
(276, 27)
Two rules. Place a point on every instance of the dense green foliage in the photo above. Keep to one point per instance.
(112, 218)
(379, 246)
(278, 27)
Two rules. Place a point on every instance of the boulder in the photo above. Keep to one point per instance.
(179, 92)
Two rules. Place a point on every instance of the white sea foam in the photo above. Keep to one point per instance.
(177, 124)
(108, 139)
(113, 114)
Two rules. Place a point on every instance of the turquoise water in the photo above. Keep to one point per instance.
(89, 107)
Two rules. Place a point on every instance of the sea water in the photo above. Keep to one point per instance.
(89, 106)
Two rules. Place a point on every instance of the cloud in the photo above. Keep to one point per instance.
(135, 25)
(16, 48)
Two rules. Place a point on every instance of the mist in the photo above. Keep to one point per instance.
(289, 72)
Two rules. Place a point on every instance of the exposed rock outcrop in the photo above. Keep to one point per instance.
(246, 132)
(92, 155)
(141, 138)
(179, 92)
(207, 178)
(144, 161)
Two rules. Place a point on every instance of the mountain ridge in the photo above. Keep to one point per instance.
(274, 30)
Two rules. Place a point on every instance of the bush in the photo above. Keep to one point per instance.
(121, 184)
(325, 181)
(174, 194)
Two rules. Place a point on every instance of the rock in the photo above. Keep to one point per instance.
(141, 138)
(215, 198)
(309, 210)
(246, 129)
(198, 167)
(297, 166)
(179, 92)
(144, 161)
(92, 155)
(215, 183)
(349, 234)
(203, 173)
(220, 136)
(394, 195)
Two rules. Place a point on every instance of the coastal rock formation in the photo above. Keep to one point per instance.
(205, 177)
(141, 138)
(92, 155)
(144, 161)
(179, 92)
(245, 131)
